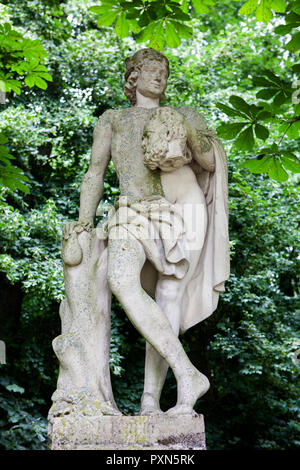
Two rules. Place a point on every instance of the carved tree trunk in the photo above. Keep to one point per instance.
(83, 347)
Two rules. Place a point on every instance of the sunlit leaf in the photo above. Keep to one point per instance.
(264, 12)
(157, 40)
(248, 7)
(200, 7)
(122, 26)
(183, 30)
(279, 6)
(107, 18)
(172, 38)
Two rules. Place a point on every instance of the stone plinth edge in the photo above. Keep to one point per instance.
(73, 432)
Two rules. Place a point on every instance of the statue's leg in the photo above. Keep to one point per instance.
(168, 296)
(125, 261)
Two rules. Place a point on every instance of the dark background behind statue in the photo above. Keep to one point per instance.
(250, 360)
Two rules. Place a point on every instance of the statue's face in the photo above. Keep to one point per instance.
(152, 80)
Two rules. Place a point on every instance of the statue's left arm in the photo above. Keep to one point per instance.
(198, 138)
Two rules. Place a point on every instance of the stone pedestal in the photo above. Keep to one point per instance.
(72, 432)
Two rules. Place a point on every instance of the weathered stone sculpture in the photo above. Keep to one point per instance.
(163, 249)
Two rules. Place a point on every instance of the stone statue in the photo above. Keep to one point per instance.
(163, 249)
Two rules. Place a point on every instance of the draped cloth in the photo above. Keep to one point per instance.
(166, 247)
(201, 295)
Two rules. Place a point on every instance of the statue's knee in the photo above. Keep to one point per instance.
(118, 285)
(113, 282)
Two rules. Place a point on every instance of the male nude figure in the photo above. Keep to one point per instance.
(118, 135)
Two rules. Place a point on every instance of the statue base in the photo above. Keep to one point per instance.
(74, 432)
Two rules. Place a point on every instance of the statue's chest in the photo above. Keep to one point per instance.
(129, 126)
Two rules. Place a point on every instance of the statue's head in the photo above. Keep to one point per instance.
(146, 71)
(164, 141)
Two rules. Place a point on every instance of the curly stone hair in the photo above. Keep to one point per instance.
(134, 65)
(165, 125)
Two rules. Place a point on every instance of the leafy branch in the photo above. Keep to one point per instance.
(20, 65)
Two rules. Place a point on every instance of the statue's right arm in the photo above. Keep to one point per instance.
(93, 182)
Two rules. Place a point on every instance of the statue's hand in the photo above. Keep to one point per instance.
(76, 227)
(71, 250)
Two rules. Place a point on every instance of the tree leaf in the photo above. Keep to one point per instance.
(229, 131)
(228, 110)
(257, 165)
(296, 8)
(262, 115)
(276, 170)
(280, 98)
(2, 86)
(261, 132)
(267, 94)
(292, 17)
(294, 44)
(134, 26)
(122, 26)
(294, 130)
(172, 38)
(248, 7)
(200, 7)
(262, 81)
(279, 6)
(274, 78)
(240, 104)
(291, 162)
(105, 6)
(245, 140)
(39, 82)
(264, 12)
(107, 18)
(146, 33)
(15, 388)
(157, 40)
(183, 30)
(30, 80)
(283, 29)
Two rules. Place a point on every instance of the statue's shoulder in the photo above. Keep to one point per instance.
(107, 117)
(193, 116)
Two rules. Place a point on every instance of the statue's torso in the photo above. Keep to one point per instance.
(135, 179)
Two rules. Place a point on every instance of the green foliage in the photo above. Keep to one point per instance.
(20, 59)
(166, 23)
(281, 116)
(256, 338)
(20, 64)
(10, 176)
(26, 426)
(263, 8)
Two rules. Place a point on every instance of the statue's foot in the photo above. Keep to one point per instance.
(150, 412)
(190, 388)
(149, 405)
(181, 410)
